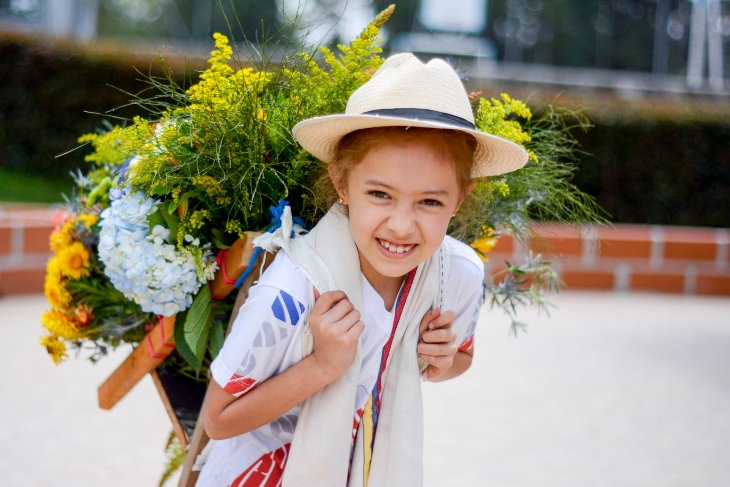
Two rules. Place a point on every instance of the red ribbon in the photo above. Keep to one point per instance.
(165, 345)
(221, 261)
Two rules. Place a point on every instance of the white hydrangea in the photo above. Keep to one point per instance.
(146, 268)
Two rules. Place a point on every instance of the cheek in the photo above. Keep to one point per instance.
(433, 231)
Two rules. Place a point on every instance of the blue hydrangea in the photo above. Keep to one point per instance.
(143, 265)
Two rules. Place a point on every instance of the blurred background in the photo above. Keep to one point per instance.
(650, 74)
(614, 389)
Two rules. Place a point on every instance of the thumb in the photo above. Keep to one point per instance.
(316, 294)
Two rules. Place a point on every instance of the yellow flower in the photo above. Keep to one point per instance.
(56, 292)
(60, 239)
(60, 324)
(485, 244)
(88, 219)
(73, 261)
(55, 348)
(197, 219)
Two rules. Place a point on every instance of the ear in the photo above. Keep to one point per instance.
(337, 180)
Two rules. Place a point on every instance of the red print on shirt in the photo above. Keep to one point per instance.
(237, 385)
(267, 471)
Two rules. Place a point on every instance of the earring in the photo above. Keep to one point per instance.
(453, 214)
(342, 202)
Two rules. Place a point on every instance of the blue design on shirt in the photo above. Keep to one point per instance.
(278, 309)
(291, 307)
(294, 308)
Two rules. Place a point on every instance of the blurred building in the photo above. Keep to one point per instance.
(664, 45)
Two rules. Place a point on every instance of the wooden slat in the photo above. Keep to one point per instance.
(148, 355)
(236, 259)
(200, 438)
(180, 432)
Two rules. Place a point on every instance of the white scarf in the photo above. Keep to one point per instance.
(320, 449)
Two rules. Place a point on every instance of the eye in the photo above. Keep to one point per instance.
(379, 194)
(432, 203)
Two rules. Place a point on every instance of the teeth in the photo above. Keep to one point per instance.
(399, 249)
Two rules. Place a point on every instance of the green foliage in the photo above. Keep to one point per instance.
(175, 458)
(523, 285)
(221, 151)
(197, 326)
(542, 189)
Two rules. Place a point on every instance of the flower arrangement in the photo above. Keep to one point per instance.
(143, 265)
(139, 237)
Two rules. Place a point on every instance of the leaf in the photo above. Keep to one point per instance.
(174, 204)
(171, 222)
(220, 245)
(197, 324)
(217, 336)
(219, 238)
(182, 345)
(159, 190)
(156, 219)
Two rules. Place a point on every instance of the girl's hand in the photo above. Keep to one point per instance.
(437, 345)
(336, 328)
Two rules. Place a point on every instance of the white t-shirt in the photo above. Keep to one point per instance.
(266, 339)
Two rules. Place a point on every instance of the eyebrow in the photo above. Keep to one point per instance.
(432, 192)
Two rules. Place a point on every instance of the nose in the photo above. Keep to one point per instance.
(402, 221)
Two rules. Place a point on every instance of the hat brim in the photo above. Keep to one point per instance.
(320, 136)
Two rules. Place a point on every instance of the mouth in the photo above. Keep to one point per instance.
(395, 251)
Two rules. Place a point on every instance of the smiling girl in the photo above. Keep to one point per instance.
(318, 382)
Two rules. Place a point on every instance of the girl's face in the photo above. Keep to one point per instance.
(400, 199)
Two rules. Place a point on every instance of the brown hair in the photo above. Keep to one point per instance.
(453, 146)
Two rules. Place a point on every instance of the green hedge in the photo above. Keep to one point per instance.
(664, 173)
(646, 170)
(46, 92)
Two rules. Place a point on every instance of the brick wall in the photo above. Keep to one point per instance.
(622, 258)
(24, 248)
(630, 258)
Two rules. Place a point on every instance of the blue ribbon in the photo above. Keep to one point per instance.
(276, 212)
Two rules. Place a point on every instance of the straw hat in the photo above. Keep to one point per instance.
(404, 92)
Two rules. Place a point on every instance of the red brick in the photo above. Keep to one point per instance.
(625, 248)
(690, 251)
(672, 283)
(690, 243)
(625, 241)
(505, 245)
(22, 281)
(5, 239)
(571, 246)
(553, 239)
(713, 285)
(587, 280)
(36, 239)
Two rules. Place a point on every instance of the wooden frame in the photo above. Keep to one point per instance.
(159, 343)
(200, 438)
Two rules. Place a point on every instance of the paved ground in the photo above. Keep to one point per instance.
(614, 390)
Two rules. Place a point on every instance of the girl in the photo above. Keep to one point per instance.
(318, 382)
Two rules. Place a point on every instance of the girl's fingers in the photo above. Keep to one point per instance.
(355, 331)
(344, 324)
(428, 317)
(444, 320)
(441, 335)
(442, 363)
(336, 312)
(325, 301)
(437, 349)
